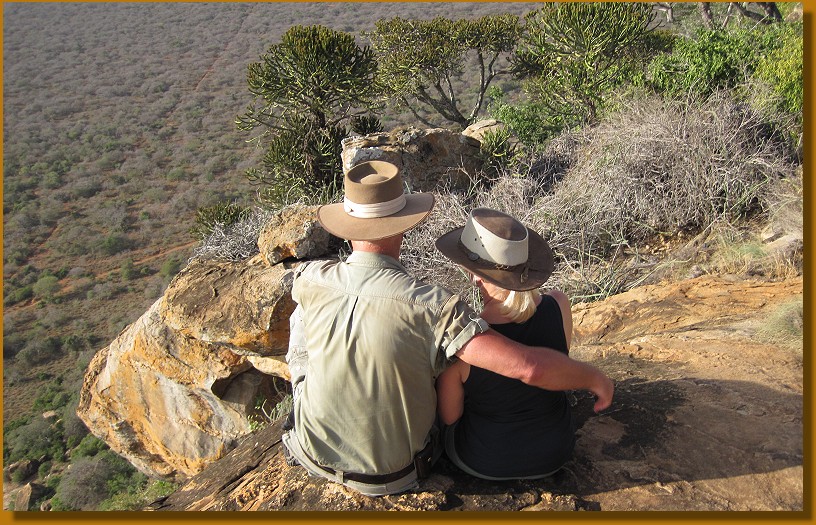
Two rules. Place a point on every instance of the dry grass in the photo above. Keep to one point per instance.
(605, 196)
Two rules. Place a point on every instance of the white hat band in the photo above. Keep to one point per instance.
(375, 210)
(491, 247)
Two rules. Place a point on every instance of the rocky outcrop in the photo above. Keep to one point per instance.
(428, 157)
(707, 415)
(178, 387)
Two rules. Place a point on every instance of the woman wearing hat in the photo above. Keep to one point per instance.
(501, 428)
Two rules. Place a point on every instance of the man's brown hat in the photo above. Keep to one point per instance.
(375, 205)
(499, 249)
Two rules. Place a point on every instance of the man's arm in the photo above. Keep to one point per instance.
(538, 366)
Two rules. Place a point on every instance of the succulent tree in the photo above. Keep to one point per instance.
(573, 54)
(307, 89)
(423, 62)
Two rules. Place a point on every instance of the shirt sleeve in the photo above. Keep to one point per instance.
(457, 325)
(296, 357)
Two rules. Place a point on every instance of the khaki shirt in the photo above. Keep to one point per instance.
(372, 341)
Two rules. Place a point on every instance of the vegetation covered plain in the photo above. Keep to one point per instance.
(136, 135)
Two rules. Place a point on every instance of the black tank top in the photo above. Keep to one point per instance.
(511, 429)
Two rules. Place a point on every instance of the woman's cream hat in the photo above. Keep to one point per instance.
(375, 205)
(501, 250)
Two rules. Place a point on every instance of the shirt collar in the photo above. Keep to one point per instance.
(375, 260)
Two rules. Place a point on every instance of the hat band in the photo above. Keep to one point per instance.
(473, 256)
(375, 210)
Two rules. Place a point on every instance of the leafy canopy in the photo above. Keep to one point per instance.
(420, 61)
(575, 53)
(307, 89)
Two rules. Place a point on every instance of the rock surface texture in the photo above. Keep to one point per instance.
(178, 387)
(428, 157)
(707, 415)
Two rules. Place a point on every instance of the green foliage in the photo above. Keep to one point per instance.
(576, 54)
(89, 446)
(34, 440)
(91, 480)
(16, 295)
(220, 215)
(366, 124)
(170, 267)
(113, 243)
(51, 397)
(497, 150)
(531, 122)
(306, 90)
(138, 495)
(782, 67)
(39, 350)
(722, 59)
(128, 269)
(46, 288)
(419, 60)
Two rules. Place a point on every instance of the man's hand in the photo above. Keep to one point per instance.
(603, 391)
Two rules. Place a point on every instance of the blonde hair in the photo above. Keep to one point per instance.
(518, 306)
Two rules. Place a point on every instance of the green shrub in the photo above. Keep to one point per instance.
(366, 124)
(91, 480)
(497, 150)
(51, 397)
(34, 440)
(531, 122)
(782, 68)
(113, 244)
(89, 446)
(719, 59)
(17, 295)
(222, 215)
(46, 287)
(39, 350)
(170, 267)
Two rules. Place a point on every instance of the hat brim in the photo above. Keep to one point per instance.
(336, 221)
(540, 262)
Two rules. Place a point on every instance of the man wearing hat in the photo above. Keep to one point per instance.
(368, 340)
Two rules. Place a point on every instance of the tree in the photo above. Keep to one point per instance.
(573, 54)
(420, 59)
(306, 88)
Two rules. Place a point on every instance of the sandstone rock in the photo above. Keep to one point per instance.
(294, 233)
(706, 416)
(427, 157)
(23, 469)
(168, 403)
(27, 496)
(245, 306)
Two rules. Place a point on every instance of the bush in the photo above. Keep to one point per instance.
(170, 267)
(91, 480)
(497, 150)
(531, 122)
(34, 440)
(46, 288)
(653, 170)
(719, 59)
(782, 69)
(39, 350)
(221, 215)
(113, 244)
(89, 446)
(236, 242)
(52, 396)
